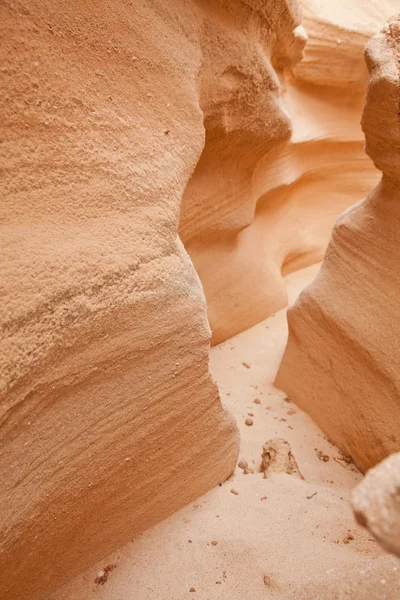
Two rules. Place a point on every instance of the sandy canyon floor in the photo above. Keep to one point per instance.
(268, 536)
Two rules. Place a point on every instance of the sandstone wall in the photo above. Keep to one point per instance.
(284, 152)
(341, 362)
(110, 419)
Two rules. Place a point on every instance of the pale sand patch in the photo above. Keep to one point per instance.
(265, 546)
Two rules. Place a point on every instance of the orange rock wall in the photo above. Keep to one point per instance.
(284, 151)
(341, 361)
(110, 420)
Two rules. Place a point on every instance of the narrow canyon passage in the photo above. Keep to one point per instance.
(276, 534)
(174, 172)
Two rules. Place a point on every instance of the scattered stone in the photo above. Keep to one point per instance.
(246, 364)
(249, 422)
(235, 492)
(322, 456)
(243, 464)
(343, 459)
(218, 582)
(214, 542)
(257, 401)
(192, 589)
(250, 414)
(277, 457)
(264, 498)
(102, 576)
(349, 537)
(267, 581)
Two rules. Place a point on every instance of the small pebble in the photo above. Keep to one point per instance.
(249, 422)
(263, 497)
(246, 364)
(251, 414)
(192, 589)
(267, 581)
(248, 470)
(322, 456)
(243, 464)
(257, 401)
(235, 492)
(214, 542)
(291, 412)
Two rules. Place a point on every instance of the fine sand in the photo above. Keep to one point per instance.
(275, 533)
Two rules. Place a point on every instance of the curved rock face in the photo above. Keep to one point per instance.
(341, 361)
(284, 154)
(110, 419)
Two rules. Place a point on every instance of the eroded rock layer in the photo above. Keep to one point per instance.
(284, 152)
(110, 420)
(341, 361)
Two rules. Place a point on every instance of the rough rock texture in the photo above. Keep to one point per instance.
(110, 419)
(376, 503)
(277, 457)
(341, 361)
(283, 155)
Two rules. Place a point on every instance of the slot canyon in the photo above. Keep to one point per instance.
(200, 216)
